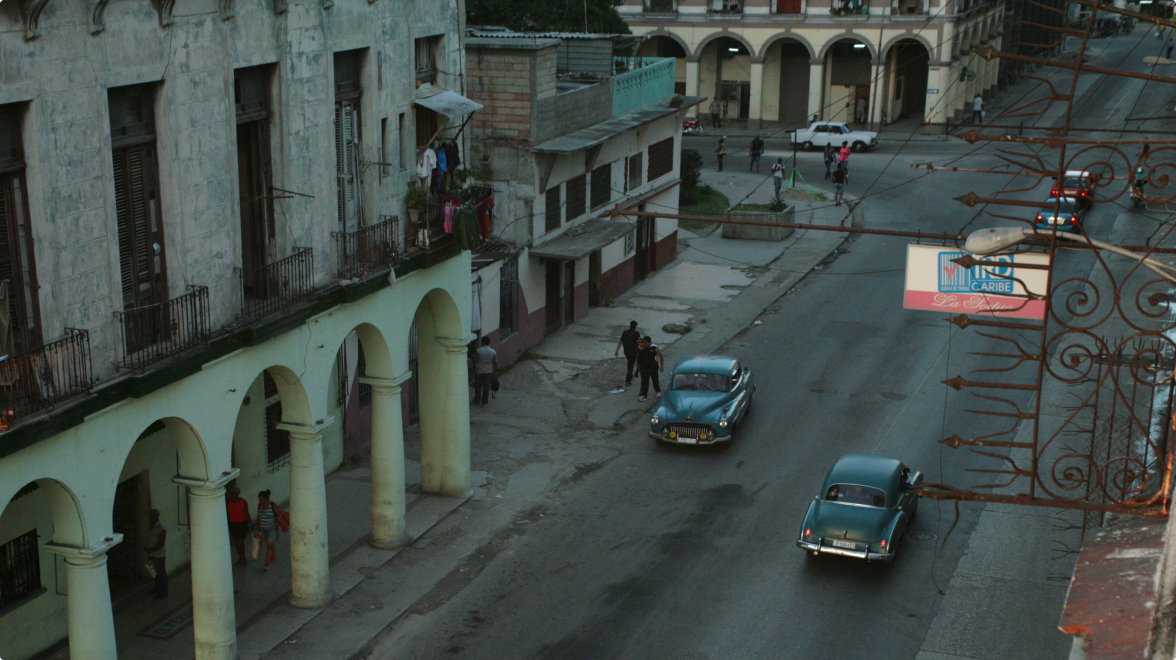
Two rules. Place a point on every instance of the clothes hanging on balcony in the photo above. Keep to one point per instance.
(441, 164)
(447, 225)
(466, 227)
(452, 156)
(484, 216)
(425, 166)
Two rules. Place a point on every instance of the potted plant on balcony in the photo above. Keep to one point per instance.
(677, 100)
(416, 200)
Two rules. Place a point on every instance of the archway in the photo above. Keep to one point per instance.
(848, 80)
(41, 514)
(444, 396)
(786, 82)
(908, 64)
(662, 45)
(724, 73)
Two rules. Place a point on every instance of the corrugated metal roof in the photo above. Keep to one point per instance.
(599, 133)
(582, 240)
(450, 104)
(505, 34)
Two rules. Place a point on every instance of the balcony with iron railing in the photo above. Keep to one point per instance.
(902, 8)
(39, 379)
(426, 229)
(724, 7)
(276, 287)
(849, 7)
(651, 82)
(154, 333)
(660, 6)
(369, 249)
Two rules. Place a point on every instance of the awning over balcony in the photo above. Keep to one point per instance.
(443, 101)
(582, 240)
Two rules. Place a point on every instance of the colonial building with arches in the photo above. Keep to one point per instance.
(205, 275)
(866, 61)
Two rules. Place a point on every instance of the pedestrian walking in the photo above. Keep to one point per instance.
(720, 151)
(157, 553)
(266, 526)
(628, 341)
(652, 362)
(843, 157)
(1169, 50)
(862, 110)
(778, 175)
(714, 113)
(830, 158)
(240, 522)
(485, 369)
(840, 178)
(757, 152)
(978, 109)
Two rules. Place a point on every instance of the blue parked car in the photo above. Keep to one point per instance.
(708, 397)
(1068, 215)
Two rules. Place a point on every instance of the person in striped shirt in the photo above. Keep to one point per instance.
(267, 526)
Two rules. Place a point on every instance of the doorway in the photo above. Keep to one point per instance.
(569, 288)
(595, 294)
(552, 297)
(129, 518)
(643, 259)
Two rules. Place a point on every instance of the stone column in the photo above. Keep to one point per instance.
(310, 577)
(755, 109)
(388, 524)
(692, 72)
(214, 614)
(445, 451)
(816, 91)
(91, 617)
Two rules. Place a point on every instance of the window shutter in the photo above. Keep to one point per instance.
(345, 162)
(134, 206)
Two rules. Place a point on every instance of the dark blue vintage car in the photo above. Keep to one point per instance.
(708, 397)
(863, 509)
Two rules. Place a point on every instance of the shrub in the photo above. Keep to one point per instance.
(690, 167)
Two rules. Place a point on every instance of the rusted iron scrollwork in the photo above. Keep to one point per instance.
(1107, 344)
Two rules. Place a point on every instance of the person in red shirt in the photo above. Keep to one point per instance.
(240, 522)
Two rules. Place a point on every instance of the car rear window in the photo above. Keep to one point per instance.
(1073, 182)
(855, 494)
(709, 382)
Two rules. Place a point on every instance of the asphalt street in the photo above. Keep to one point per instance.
(690, 553)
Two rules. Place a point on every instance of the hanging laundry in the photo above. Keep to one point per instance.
(484, 216)
(441, 165)
(467, 228)
(426, 163)
(452, 156)
(448, 223)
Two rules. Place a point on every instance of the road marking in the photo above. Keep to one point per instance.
(909, 400)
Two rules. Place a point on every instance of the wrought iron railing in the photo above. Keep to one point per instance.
(661, 6)
(725, 7)
(849, 7)
(371, 248)
(156, 332)
(277, 286)
(40, 378)
(426, 228)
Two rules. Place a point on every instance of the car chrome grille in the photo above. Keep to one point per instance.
(690, 430)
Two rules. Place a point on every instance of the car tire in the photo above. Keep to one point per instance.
(858, 147)
(807, 146)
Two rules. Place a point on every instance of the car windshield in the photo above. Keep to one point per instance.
(711, 382)
(854, 494)
(1063, 206)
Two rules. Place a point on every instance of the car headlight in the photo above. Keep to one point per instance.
(655, 420)
(722, 423)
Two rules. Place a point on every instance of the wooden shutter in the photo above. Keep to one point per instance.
(346, 161)
(601, 186)
(17, 265)
(139, 229)
(551, 209)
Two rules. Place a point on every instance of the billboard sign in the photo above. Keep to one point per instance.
(935, 283)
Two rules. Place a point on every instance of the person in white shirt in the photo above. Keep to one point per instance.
(485, 368)
(978, 110)
(778, 174)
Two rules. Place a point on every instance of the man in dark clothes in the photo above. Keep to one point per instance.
(650, 357)
(628, 341)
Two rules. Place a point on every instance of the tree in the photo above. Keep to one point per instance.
(548, 15)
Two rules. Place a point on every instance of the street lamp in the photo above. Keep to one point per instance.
(990, 241)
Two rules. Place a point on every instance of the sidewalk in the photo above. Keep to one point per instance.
(148, 629)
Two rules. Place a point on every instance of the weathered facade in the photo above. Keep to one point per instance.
(206, 283)
(865, 61)
(563, 147)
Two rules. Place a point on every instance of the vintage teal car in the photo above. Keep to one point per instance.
(708, 397)
(863, 509)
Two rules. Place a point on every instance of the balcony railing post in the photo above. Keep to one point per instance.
(372, 248)
(156, 332)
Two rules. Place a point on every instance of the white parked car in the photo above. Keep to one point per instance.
(821, 133)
